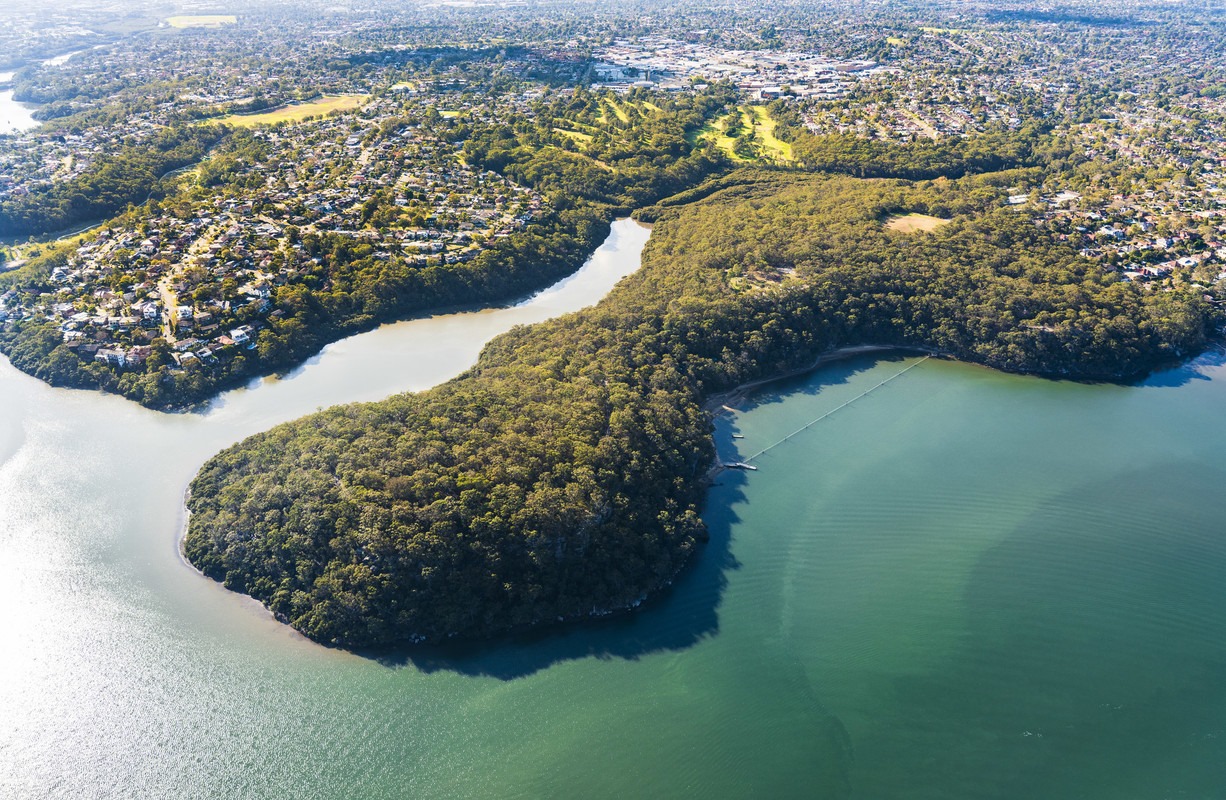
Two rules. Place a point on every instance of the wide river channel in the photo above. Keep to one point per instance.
(963, 584)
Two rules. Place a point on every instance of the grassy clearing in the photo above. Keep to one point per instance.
(764, 125)
(298, 111)
(581, 138)
(716, 132)
(914, 223)
(32, 257)
(71, 238)
(894, 40)
(618, 110)
(449, 114)
(201, 20)
(756, 119)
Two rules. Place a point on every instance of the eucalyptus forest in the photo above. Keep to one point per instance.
(204, 200)
(563, 474)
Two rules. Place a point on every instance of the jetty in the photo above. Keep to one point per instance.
(746, 465)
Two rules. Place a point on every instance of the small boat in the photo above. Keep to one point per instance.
(740, 465)
(738, 436)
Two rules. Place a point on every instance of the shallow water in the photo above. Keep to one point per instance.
(964, 584)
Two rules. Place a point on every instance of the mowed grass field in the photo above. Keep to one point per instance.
(764, 126)
(581, 138)
(755, 118)
(610, 109)
(914, 223)
(201, 20)
(298, 111)
(618, 108)
(717, 132)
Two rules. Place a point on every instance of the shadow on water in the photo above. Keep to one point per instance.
(1188, 371)
(1175, 375)
(687, 612)
(681, 616)
(824, 377)
(678, 618)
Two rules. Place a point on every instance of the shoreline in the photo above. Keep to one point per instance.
(355, 325)
(720, 403)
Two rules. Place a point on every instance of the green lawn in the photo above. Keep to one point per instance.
(764, 125)
(753, 118)
(914, 223)
(298, 111)
(201, 20)
(618, 110)
(580, 138)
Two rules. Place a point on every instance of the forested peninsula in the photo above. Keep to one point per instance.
(562, 476)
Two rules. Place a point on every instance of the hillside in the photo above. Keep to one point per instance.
(563, 475)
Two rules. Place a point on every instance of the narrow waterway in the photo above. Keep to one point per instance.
(62, 59)
(963, 584)
(15, 117)
(113, 645)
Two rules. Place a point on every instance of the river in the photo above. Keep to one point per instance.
(15, 117)
(63, 58)
(964, 584)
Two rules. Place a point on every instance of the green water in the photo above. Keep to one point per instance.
(996, 586)
(963, 585)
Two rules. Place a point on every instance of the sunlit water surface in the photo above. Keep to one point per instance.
(15, 117)
(963, 585)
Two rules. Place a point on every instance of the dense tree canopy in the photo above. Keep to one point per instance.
(562, 475)
(348, 292)
(129, 175)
